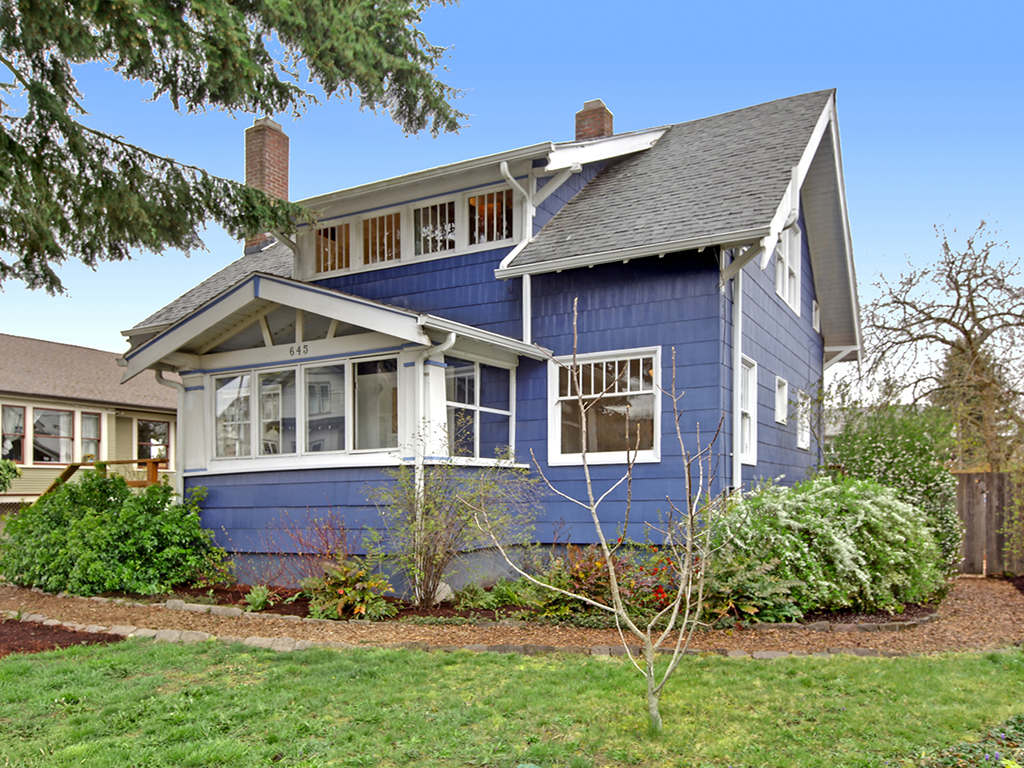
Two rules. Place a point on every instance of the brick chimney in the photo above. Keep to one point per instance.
(266, 166)
(594, 121)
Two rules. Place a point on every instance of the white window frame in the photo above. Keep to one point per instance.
(815, 316)
(748, 410)
(407, 253)
(478, 409)
(803, 420)
(555, 455)
(781, 400)
(787, 267)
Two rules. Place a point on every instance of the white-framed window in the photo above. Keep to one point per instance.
(91, 436)
(304, 409)
(787, 267)
(479, 403)
(815, 316)
(621, 407)
(781, 400)
(803, 420)
(748, 411)
(427, 229)
(53, 436)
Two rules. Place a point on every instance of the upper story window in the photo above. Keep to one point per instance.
(439, 227)
(12, 422)
(787, 267)
(610, 401)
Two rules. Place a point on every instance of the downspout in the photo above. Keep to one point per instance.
(737, 341)
(179, 453)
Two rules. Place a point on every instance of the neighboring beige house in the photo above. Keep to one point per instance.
(61, 404)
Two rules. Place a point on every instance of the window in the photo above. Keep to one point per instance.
(382, 238)
(787, 267)
(12, 422)
(53, 436)
(781, 400)
(325, 408)
(816, 316)
(376, 404)
(479, 408)
(154, 440)
(803, 420)
(91, 437)
(277, 412)
(433, 228)
(490, 217)
(332, 247)
(748, 411)
(620, 407)
(232, 425)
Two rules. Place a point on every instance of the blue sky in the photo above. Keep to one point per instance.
(930, 100)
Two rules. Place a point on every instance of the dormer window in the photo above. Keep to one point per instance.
(432, 228)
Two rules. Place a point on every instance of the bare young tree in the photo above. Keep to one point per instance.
(685, 536)
(950, 333)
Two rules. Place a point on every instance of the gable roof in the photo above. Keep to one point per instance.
(712, 181)
(36, 368)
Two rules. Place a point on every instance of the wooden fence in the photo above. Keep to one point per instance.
(984, 502)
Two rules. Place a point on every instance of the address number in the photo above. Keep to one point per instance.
(298, 350)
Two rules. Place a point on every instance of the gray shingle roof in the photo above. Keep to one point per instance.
(47, 369)
(275, 260)
(720, 174)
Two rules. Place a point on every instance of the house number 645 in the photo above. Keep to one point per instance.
(298, 350)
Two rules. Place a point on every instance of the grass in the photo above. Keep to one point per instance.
(143, 704)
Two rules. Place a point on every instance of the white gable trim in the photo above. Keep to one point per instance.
(580, 153)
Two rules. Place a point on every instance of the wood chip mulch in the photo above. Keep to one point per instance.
(979, 614)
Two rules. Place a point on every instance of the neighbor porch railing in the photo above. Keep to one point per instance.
(151, 467)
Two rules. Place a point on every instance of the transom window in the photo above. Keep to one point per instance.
(610, 403)
(271, 425)
(479, 398)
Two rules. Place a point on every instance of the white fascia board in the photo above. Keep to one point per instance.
(566, 155)
(535, 151)
(488, 338)
(723, 239)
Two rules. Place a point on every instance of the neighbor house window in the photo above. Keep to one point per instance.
(12, 422)
(787, 267)
(479, 408)
(433, 228)
(376, 404)
(53, 436)
(154, 440)
(748, 411)
(277, 412)
(781, 400)
(232, 420)
(490, 217)
(91, 437)
(613, 399)
(332, 248)
(382, 238)
(803, 420)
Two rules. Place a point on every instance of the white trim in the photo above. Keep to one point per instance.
(555, 456)
(781, 400)
(815, 316)
(749, 410)
(593, 151)
(788, 267)
(803, 420)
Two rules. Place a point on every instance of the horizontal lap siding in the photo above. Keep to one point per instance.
(666, 303)
(785, 345)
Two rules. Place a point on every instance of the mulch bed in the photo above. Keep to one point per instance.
(27, 637)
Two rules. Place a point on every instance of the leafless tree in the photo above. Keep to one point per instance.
(951, 333)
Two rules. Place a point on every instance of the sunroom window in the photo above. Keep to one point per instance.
(332, 246)
(433, 228)
(376, 404)
(325, 408)
(382, 238)
(490, 217)
(277, 412)
(479, 408)
(232, 416)
(619, 413)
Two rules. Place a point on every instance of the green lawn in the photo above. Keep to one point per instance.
(144, 704)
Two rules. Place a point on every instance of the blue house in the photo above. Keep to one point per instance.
(312, 364)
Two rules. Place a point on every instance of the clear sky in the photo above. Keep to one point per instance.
(930, 100)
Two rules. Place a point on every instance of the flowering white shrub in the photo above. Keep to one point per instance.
(844, 543)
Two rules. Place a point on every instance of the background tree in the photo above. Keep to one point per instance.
(950, 333)
(68, 191)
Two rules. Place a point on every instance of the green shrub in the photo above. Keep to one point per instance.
(97, 535)
(849, 543)
(739, 588)
(8, 472)
(348, 590)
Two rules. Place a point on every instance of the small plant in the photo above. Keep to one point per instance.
(259, 597)
(9, 471)
(738, 588)
(348, 590)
